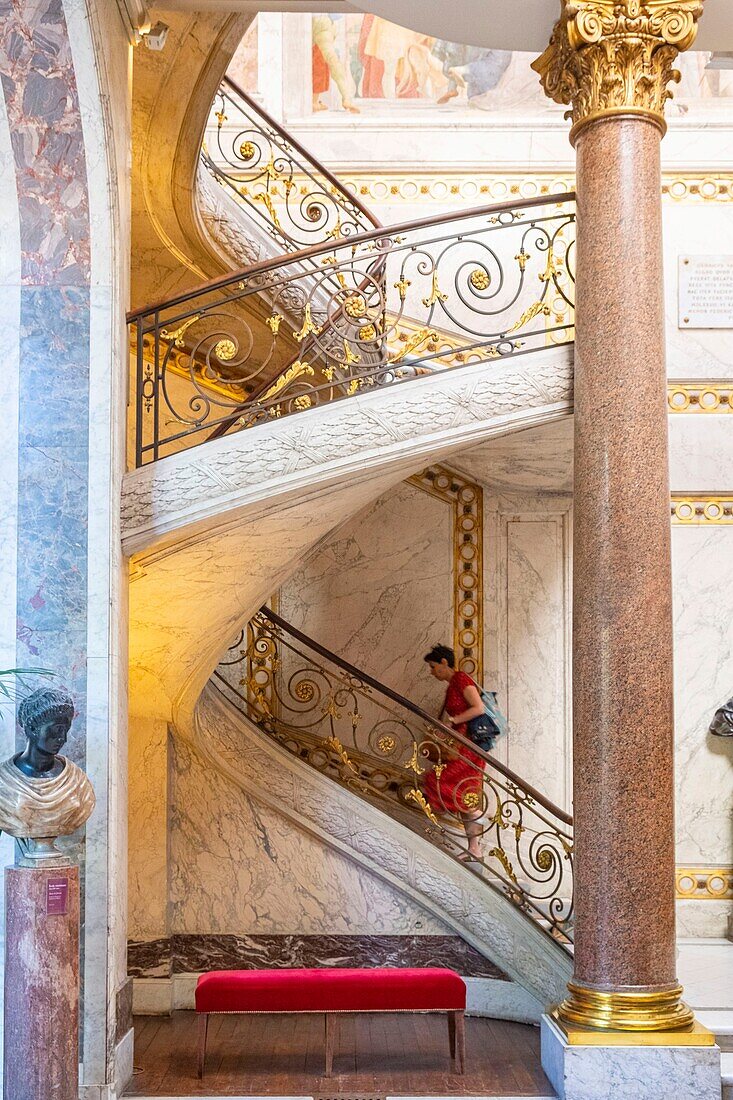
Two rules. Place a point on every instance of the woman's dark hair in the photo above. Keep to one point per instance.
(441, 653)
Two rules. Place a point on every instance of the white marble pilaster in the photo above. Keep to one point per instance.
(102, 55)
(527, 633)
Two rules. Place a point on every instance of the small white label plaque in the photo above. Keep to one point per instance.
(706, 292)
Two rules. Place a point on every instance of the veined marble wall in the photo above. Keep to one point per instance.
(527, 636)
(380, 592)
(244, 870)
(702, 560)
(703, 618)
(63, 292)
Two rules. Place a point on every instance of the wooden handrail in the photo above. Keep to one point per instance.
(305, 153)
(324, 247)
(365, 678)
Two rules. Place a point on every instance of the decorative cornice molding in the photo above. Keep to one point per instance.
(702, 509)
(616, 57)
(700, 397)
(704, 883)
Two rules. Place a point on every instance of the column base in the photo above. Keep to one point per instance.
(650, 1066)
(624, 1010)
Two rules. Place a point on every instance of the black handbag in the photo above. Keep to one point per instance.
(483, 731)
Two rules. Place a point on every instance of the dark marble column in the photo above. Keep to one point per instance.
(41, 1056)
(613, 64)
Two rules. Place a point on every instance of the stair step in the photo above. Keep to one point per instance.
(720, 1022)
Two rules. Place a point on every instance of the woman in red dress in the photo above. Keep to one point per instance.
(458, 788)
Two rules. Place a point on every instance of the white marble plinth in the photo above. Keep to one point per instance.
(628, 1073)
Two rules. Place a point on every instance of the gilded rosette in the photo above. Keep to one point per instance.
(611, 57)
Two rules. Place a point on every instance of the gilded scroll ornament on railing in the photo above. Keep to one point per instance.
(385, 749)
(290, 195)
(617, 56)
(346, 316)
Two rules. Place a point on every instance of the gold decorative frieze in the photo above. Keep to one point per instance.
(700, 397)
(616, 57)
(466, 500)
(691, 509)
(416, 187)
(704, 883)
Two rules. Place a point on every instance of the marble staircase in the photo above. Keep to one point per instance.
(225, 740)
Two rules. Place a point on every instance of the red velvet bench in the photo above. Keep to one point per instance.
(332, 991)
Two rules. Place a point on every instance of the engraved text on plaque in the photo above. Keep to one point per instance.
(705, 292)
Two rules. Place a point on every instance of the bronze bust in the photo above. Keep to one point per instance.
(43, 795)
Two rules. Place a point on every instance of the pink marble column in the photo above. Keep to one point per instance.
(622, 607)
(41, 984)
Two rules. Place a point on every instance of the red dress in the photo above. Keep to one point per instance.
(457, 790)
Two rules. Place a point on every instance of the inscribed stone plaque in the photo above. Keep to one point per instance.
(57, 897)
(706, 292)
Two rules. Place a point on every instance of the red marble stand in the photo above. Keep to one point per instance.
(41, 1059)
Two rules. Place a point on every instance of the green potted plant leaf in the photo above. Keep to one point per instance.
(13, 685)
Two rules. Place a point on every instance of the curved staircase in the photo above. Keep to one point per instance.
(345, 757)
(395, 347)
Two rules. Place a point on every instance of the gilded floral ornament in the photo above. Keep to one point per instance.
(617, 56)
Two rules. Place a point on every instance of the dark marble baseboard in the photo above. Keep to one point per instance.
(189, 954)
(124, 1010)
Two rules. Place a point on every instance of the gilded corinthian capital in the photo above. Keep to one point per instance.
(616, 56)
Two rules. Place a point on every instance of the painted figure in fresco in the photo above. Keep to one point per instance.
(387, 46)
(482, 72)
(458, 789)
(44, 795)
(327, 64)
(722, 723)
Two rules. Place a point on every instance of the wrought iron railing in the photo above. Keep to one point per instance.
(285, 189)
(388, 750)
(350, 315)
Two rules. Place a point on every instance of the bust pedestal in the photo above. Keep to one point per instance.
(41, 983)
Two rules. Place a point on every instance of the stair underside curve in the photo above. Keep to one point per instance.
(398, 429)
(480, 914)
(214, 531)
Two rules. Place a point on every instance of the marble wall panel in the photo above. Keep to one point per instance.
(527, 636)
(379, 592)
(536, 649)
(702, 229)
(9, 389)
(52, 490)
(42, 104)
(703, 604)
(148, 841)
(701, 451)
(243, 869)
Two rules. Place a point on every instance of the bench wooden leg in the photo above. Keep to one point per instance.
(459, 1025)
(203, 1026)
(452, 1034)
(331, 1020)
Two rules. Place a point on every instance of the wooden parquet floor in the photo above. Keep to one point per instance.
(376, 1056)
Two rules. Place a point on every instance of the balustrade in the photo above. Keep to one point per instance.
(350, 315)
(382, 747)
